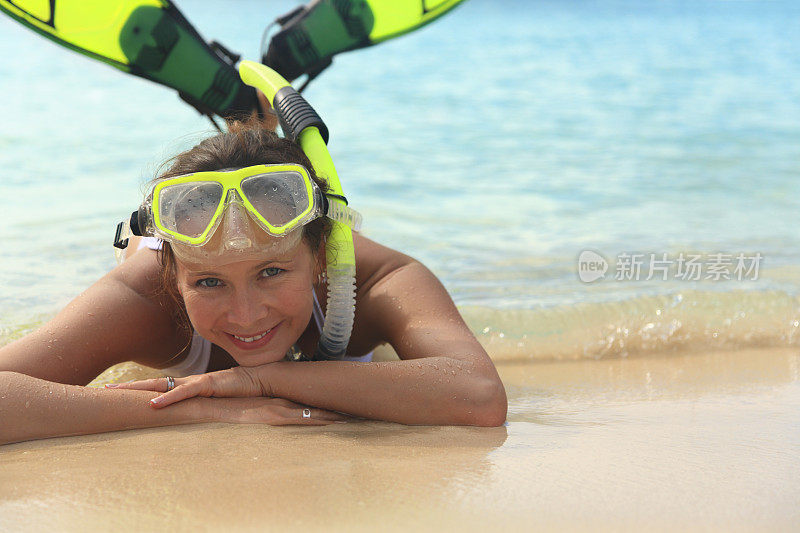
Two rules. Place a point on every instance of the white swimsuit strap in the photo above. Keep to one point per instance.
(319, 316)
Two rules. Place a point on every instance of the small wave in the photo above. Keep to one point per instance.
(682, 321)
(685, 321)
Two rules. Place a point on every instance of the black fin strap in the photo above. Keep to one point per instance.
(283, 19)
(221, 50)
(314, 72)
(200, 108)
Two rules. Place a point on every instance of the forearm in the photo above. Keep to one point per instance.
(32, 408)
(429, 391)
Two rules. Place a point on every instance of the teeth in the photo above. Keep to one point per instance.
(251, 339)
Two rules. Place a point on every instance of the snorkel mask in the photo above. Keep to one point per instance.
(225, 216)
(234, 214)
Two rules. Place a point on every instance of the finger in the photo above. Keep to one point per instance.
(283, 402)
(312, 416)
(181, 392)
(294, 408)
(294, 421)
(331, 416)
(233, 382)
(215, 384)
(155, 385)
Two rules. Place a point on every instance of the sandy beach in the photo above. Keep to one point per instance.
(692, 441)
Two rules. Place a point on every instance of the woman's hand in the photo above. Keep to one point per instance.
(236, 382)
(238, 397)
(272, 411)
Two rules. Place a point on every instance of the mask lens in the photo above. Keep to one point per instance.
(188, 208)
(280, 198)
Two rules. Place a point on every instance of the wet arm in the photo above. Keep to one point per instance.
(444, 377)
(119, 318)
(32, 408)
(432, 391)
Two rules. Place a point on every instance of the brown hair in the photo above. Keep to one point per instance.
(246, 143)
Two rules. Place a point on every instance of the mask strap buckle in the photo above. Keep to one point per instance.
(118, 242)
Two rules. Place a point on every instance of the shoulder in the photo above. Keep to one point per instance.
(401, 302)
(374, 262)
(385, 277)
(135, 289)
(121, 317)
(140, 273)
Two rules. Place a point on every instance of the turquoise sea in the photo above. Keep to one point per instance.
(495, 145)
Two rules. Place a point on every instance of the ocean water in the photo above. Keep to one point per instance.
(496, 145)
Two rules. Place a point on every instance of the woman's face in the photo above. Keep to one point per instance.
(254, 309)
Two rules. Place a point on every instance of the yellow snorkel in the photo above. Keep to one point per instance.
(301, 123)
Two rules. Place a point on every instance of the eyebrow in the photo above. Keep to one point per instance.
(260, 266)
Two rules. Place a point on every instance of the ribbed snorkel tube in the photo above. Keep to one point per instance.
(301, 123)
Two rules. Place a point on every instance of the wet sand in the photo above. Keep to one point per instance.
(694, 441)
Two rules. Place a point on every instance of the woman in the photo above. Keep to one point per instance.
(238, 312)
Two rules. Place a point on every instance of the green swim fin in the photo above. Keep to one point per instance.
(146, 38)
(312, 34)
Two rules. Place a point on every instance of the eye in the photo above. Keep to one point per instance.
(270, 272)
(209, 283)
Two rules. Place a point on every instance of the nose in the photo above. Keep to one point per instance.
(246, 309)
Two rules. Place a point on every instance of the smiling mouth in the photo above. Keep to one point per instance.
(254, 338)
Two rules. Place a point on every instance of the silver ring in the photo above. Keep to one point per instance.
(170, 383)
(306, 413)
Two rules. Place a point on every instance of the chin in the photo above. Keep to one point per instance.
(256, 358)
